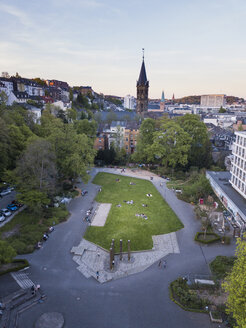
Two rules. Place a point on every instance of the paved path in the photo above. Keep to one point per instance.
(140, 300)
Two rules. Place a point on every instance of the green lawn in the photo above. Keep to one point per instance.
(122, 222)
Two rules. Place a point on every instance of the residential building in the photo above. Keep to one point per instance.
(129, 102)
(214, 100)
(57, 84)
(238, 170)
(142, 91)
(8, 84)
(130, 137)
(101, 141)
(116, 134)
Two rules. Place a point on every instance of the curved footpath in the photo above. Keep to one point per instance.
(140, 300)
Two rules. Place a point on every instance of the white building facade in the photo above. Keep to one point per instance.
(238, 169)
(213, 100)
(129, 102)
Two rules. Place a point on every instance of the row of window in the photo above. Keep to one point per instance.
(239, 173)
(240, 151)
(240, 162)
(240, 140)
(238, 183)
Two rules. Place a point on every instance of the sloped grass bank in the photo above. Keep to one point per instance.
(122, 222)
(26, 229)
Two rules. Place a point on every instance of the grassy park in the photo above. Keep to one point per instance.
(122, 222)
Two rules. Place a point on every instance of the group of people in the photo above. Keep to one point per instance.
(142, 216)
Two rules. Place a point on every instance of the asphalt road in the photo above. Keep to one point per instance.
(139, 300)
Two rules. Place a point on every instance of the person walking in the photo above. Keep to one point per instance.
(164, 264)
(97, 275)
(159, 264)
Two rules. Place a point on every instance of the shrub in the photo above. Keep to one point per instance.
(185, 296)
(222, 265)
(211, 237)
(6, 252)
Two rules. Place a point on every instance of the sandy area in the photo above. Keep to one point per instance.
(101, 215)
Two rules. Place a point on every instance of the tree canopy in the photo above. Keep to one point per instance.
(235, 285)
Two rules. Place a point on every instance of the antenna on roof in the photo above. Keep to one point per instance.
(143, 52)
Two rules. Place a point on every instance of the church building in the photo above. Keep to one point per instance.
(142, 91)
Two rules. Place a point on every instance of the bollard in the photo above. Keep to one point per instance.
(129, 250)
(111, 258)
(120, 249)
(113, 246)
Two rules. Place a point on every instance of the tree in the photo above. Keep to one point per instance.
(3, 98)
(171, 145)
(235, 286)
(222, 110)
(4, 146)
(200, 150)
(6, 75)
(40, 81)
(145, 140)
(89, 128)
(6, 252)
(36, 174)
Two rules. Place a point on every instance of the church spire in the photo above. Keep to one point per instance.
(142, 90)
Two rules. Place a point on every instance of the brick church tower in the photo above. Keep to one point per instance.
(142, 91)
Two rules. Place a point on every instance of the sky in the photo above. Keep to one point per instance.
(192, 47)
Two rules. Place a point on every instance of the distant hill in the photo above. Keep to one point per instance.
(188, 100)
(231, 99)
(196, 100)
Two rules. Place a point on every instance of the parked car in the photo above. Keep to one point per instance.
(84, 192)
(12, 207)
(16, 203)
(2, 218)
(5, 192)
(5, 212)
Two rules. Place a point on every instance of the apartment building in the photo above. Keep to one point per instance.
(238, 170)
(213, 100)
(130, 137)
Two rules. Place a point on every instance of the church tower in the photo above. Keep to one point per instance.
(142, 90)
(162, 102)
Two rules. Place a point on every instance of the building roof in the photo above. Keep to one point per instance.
(222, 179)
(142, 80)
(132, 126)
(118, 123)
(153, 106)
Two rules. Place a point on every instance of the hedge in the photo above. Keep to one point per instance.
(23, 263)
(204, 241)
(181, 305)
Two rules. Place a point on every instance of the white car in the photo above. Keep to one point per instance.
(5, 192)
(5, 212)
(2, 218)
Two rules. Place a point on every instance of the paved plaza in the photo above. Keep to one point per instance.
(65, 269)
(94, 261)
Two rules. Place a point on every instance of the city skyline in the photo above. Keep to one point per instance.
(191, 47)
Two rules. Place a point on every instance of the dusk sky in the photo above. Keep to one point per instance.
(191, 46)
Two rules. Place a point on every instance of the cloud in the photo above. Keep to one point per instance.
(21, 15)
